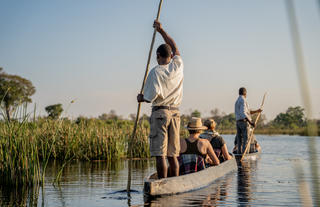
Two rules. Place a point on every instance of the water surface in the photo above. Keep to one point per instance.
(267, 181)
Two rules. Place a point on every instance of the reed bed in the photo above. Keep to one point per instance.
(26, 147)
(19, 155)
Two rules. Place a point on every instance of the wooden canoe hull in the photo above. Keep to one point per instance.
(189, 182)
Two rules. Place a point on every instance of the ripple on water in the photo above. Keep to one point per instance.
(267, 181)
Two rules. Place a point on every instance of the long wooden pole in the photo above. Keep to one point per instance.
(251, 134)
(139, 104)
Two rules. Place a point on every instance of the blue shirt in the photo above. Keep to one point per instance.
(241, 109)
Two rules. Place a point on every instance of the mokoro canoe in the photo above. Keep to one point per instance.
(249, 156)
(189, 182)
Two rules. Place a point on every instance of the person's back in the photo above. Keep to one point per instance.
(195, 146)
(217, 142)
(169, 84)
(241, 108)
(192, 155)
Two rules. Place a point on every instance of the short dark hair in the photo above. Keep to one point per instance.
(194, 131)
(242, 91)
(164, 50)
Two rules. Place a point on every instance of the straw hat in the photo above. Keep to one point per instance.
(196, 124)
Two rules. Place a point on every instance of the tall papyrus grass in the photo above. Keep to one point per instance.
(20, 151)
(27, 145)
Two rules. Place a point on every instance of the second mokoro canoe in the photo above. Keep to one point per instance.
(249, 156)
(184, 183)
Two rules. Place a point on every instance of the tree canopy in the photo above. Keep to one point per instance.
(196, 113)
(54, 111)
(111, 115)
(14, 91)
(294, 117)
(227, 121)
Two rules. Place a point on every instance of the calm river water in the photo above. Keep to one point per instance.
(267, 181)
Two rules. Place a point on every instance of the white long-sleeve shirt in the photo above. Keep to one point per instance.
(241, 109)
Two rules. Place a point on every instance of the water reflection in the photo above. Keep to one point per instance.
(81, 182)
(267, 181)
(246, 170)
(60, 196)
(221, 194)
(20, 196)
(213, 195)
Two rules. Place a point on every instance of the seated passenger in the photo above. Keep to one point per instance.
(217, 142)
(190, 163)
(254, 146)
(194, 150)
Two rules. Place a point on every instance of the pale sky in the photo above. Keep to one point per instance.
(96, 52)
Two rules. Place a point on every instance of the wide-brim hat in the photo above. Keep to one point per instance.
(195, 124)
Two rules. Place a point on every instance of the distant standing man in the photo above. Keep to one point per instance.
(163, 89)
(244, 120)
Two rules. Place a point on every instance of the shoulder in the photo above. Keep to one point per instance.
(221, 140)
(182, 140)
(220, 137)
(177, 60)
(153, 71)
(154, 74)
(205, 136)
(204, 141)
(183, 145)
(241, 99)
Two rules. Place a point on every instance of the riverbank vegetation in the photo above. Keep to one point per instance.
(291, 122)
(27, 146)
(28, 143)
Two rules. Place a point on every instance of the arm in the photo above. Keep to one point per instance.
(151, 89)
(225, 152)
(258, 147)
(250, 122)
(253, 112)
(234, 150)
(182, 145)
(157, 25)
(208, 160)
(256, 111)
(212, 155)
(140, 98)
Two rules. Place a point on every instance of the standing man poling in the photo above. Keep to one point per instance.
(163, 89)
(244, 120)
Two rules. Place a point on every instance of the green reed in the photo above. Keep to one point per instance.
(19, 153)
(26, 147)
